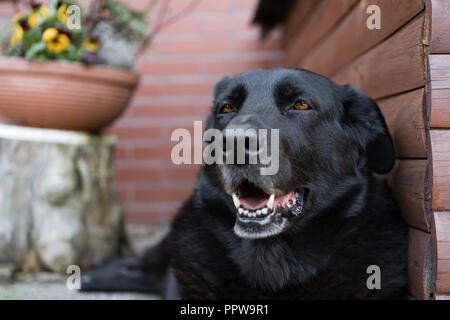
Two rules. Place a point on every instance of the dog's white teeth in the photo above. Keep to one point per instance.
(241, 211)
(236, 201)
(271, 201)
(258, 212)
(265, 211)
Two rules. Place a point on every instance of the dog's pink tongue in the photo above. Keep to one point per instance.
(253, 202)
(258, 202)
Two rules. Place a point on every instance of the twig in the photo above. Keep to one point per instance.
(164, 23)
(150, 6)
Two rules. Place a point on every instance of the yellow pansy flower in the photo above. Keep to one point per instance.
(90, 44)
(49, 34)
(33, 19)
(62, 14)
(55, 42)
(17, 16)
(17, 36)
(43, 11)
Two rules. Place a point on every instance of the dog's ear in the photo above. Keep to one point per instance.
(218, 88)
(365, 118)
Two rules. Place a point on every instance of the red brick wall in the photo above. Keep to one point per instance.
(177, 77)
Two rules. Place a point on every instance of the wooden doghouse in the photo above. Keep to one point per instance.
(405, 67)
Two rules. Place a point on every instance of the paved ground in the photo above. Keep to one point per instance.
(49, 286)
(54, 288)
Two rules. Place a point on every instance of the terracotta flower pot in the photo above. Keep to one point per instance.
(63, 95)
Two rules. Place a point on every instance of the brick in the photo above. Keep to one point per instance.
(213, 6)
(6, 10)
(198, 46)
(181, 26)
(174, 89)
(137, 132)
(183, 172)
(168, 68)
(233, 67)
(143, 153)
(202, 6)
(132, 216)
(123, 196)
(164, 111)
(162, 195)
(190, 89)
(150, 217)
(121, 153)
(171, 100)
(150, 90)
(269, 44)
(151, 212)
(137, 174)
(168, 112)
(246, 5)
(224, 24)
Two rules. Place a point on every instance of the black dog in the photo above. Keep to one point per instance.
(311, 231)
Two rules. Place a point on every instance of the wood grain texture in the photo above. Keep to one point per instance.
(420, 264)
(297, 19)
(395, 66)
(408, 183)
(352, 37)
(440, 23)
(440, 145)
(440, 86)
(442, 229)
(327, 14)
(404, 117)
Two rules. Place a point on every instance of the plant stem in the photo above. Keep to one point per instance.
(161, 23)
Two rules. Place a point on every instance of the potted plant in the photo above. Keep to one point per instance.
(65, 69)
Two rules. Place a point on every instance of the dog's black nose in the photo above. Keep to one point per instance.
(241, 143)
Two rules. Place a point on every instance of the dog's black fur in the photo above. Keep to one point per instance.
(349, 222)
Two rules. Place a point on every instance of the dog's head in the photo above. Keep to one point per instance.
(330, 137)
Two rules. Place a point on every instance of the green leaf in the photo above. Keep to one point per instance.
(35, 50)
(13, 50)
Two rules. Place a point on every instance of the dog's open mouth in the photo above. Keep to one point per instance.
(261, 215)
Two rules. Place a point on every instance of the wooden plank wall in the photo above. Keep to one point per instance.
(439, 124)
(391, 66)
(439, 100)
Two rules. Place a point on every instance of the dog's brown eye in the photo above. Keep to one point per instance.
(301, 105)
(228, 108)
